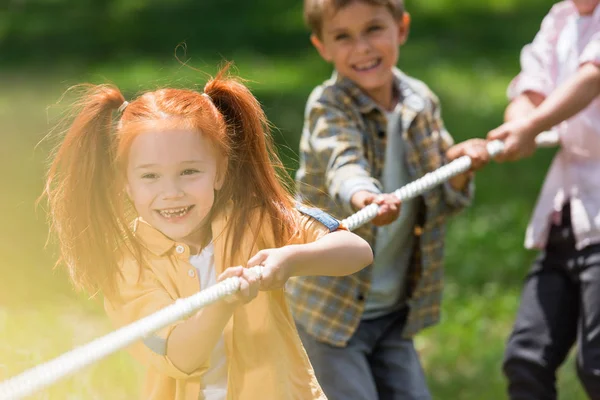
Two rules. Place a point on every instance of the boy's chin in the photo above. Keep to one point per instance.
(372, 81)
(375, 85)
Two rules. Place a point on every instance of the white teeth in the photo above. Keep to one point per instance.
(367, 65)
(174, 212)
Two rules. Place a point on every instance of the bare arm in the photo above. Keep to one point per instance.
(191, 343)
(336, 254)
(523, 105)
(185, 349)
(568, 99)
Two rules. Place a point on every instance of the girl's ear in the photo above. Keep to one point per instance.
(221, 172)
(128, 190)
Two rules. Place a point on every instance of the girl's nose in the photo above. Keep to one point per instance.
(172, 190)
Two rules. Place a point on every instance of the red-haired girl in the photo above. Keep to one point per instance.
(197, 175)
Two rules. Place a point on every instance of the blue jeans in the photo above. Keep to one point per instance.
(376, 364)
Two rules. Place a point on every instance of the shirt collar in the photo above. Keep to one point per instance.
(409, 95)
(159, 244)
(152, 238)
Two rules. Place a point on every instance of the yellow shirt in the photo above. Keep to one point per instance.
(265, 357)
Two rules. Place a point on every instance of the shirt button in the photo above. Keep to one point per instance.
(191, 273)
(360, 297)
(180, 249)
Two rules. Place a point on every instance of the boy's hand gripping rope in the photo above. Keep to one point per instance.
(50, 372)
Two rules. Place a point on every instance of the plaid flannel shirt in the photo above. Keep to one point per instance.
(342, 146)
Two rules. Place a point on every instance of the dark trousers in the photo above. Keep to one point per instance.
(560, 305)
(376, 364)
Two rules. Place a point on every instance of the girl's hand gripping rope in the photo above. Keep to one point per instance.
(277, 266)
(249, 284)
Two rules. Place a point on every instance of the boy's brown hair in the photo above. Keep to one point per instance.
(315, 10)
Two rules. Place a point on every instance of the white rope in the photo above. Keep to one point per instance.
(45, 374)
(50, 372)
(442, 174)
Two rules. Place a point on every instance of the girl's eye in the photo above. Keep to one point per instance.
(149, 176)
(189, 172)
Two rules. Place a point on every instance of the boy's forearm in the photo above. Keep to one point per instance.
(191, 343)
(567, 100)
(336, 254)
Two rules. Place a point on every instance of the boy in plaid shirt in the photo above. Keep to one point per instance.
(369, 130)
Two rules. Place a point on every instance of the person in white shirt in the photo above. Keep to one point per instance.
(559, 88)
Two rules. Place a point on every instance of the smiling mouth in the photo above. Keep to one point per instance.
(171, 213)
(367, 66)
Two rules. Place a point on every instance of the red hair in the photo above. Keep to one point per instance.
(85, 183)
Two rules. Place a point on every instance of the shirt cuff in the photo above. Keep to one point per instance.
(591, 53)
(352, 186)
(522, 84)
(459, 198)
(162, 360)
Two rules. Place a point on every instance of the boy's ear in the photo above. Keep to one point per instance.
(314, 39)
(404, 28)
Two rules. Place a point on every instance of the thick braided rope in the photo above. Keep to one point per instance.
(421, 185)
(432, 179)
(50, 372)
(45, 374)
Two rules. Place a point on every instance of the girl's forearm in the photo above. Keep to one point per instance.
(191, 343)
(336, 254)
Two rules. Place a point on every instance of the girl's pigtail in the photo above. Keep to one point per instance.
(252, 175)
(84, 192)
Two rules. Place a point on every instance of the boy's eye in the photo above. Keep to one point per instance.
(189, 171)
(374, 28)
(341, 36)
(150, 175)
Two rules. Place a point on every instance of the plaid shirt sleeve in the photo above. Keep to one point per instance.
(455, 200)
(336, 142)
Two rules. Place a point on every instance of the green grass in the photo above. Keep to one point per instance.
(466, 50)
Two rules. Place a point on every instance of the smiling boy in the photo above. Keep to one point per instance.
(369, 130)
